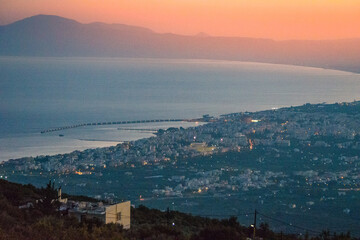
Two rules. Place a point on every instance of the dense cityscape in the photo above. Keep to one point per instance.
(289, 127)
(296, 160)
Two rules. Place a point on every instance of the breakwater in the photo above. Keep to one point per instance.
(117, 123)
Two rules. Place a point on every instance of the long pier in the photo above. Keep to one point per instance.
(116, 123)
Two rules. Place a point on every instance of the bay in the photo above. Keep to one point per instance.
(43, 93)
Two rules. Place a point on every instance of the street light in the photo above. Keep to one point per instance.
(253, 226)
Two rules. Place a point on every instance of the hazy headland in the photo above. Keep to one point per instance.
(54, 36)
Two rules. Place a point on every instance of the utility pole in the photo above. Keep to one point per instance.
(168, 216)
(254, 224)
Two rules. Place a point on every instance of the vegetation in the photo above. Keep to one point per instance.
(41, 220)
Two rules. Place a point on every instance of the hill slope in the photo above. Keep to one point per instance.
(36, 223)
(44, 35)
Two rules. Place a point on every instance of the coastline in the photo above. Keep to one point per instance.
(275, 154)
(221, 87)
(44, 148)
(350, 70)
(78, 139)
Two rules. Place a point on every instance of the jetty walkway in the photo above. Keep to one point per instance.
(119, 122)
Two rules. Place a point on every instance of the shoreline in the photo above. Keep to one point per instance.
(138, 134)
(208, 60)
(78, 139)
(90, 143)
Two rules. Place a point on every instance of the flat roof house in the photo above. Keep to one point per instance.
(117, 213)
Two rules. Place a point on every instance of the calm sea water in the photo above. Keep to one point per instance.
(41, 93)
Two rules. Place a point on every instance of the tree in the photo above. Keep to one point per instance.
(49, 199)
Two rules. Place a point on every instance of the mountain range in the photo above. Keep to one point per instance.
(54, 36)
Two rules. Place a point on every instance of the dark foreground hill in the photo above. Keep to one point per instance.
(45, 35)
(44, 222)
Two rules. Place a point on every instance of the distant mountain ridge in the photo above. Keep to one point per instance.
(45, 35)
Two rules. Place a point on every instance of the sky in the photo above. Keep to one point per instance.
(275, 19)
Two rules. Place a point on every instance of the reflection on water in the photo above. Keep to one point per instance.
(45, 93)
(81, 138)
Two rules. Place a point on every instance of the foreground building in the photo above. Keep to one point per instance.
(117, 213)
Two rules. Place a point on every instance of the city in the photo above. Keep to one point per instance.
(293, 160)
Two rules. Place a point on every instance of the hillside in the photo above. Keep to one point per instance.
(45, 35)
(39, 223)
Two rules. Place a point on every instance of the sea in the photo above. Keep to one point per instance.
(39, 93)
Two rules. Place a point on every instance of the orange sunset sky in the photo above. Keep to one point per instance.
(276, 19)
